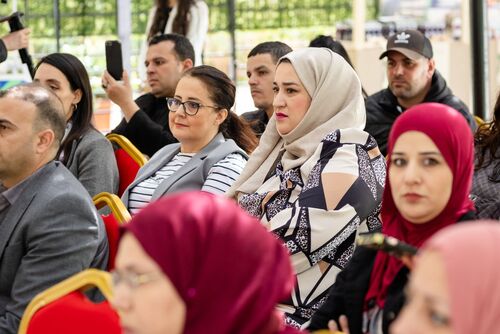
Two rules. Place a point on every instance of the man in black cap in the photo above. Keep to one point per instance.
(413, 79)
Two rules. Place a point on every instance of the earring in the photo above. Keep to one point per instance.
(75, 106)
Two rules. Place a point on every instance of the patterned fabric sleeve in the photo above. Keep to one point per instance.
(486, 190)
(319, 209)
(222, 175)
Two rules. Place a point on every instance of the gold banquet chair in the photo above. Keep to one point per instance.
(64, 308)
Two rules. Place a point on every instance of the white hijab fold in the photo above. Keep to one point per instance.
(336, 103)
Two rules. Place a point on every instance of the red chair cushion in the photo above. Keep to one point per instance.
(113, 231)
(127, 168)
(75, 314)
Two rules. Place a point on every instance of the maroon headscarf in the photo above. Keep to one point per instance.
(450, 132)
(228, 269)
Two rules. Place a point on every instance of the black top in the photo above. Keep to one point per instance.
(347, 295)
(257, 119)
(148, 129)
(382, 109)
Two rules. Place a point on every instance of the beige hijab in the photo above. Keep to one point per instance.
(336, 103)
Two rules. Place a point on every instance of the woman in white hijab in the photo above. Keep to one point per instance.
(316, 178)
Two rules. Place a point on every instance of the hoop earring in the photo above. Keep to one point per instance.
(75, 106)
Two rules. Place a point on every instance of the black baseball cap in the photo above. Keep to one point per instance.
(412, 43)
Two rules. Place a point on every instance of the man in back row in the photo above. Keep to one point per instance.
(413, 79)
(145, 121)
(261, 67)
(49, 227)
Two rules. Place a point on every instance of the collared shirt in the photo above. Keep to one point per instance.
(9, 196)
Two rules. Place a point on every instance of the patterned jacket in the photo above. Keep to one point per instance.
(317, 209)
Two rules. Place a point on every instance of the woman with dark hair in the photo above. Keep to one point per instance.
(213, 141)
(84, 150)
(323, 41)
(486, 185)
(196, 263)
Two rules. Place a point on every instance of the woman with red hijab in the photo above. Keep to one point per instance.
(445, 298)
(429, 177)
(196, 263)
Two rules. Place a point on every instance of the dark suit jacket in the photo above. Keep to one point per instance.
(148, 129)
(50, 232)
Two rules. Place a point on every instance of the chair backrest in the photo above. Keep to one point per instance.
(479, 120)
(64, 308)
(128, 158)
(118, 215)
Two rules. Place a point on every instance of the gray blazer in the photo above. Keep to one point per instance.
(192, 175)
(92, 161)
(51, 232)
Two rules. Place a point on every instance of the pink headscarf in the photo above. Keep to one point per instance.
(471, 256)
(229, 270)
(450, 132)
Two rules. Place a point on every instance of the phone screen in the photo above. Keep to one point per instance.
(114, 62)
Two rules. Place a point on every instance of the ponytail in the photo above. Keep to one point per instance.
(240, 131)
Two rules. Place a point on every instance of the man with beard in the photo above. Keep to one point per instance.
(261, 65)
(413, 79)
(145, 121)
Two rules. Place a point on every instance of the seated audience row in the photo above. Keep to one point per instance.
(315, 181)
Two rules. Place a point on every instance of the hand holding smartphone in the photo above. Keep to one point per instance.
(114, 62)
(386, 244)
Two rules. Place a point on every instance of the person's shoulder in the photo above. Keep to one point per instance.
(349, 136)
(376, 100)
(93, 140)
(145, 100)
(94, 135)
(252, 115)
(57, 185)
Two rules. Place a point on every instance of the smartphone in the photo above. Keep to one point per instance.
(386, 244)
(114, 62)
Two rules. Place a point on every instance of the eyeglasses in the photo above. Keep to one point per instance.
(133, 280)
(191, 108)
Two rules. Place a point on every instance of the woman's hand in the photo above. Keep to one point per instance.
(344, 326)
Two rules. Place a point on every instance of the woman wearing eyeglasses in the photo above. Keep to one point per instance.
(195, 263)
(213, 142)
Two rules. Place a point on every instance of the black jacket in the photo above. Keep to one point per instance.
(347, 295)
(382, 109)
(148, 129)
(258, 121)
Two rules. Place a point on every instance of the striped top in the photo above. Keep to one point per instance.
(220, 178)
